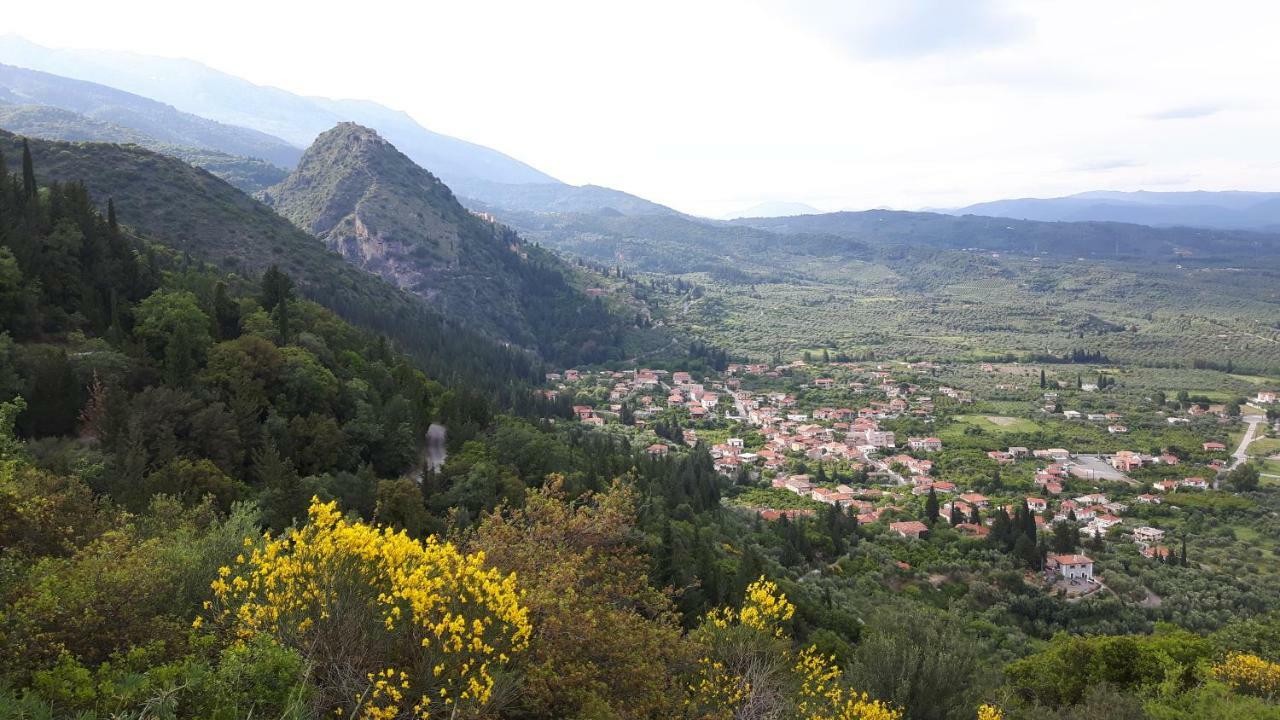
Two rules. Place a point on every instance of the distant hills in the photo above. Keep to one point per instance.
(50, 123)
(1225, 210)
(163, 123)
(486, 177)
(1108, 240)
(774, 208)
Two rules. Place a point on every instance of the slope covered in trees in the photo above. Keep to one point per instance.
(50, 123)
(373, 205)
(195, 213)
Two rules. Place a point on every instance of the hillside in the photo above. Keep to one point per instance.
(369, 202)
(1224, 210)
(193, 212)
(201, 90)
(1089, 239)
(50, 123)
(164, 123)
(553, 198)
(473, 171)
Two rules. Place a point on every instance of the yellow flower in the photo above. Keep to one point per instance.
(427, 595)
(989, 712)
(1249, 673)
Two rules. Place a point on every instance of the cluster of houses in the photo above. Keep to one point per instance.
(842, 496)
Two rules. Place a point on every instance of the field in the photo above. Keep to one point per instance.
(998, 423)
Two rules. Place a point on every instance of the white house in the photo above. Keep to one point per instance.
(1147, 535)
(1071, 567)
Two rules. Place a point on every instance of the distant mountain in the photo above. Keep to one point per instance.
(555, 198)
(20, 86)
(199, 89)
(1225, 210)
(50, 123)
(775, 208)
(371, 203)
(478, 173)
(1073, 239)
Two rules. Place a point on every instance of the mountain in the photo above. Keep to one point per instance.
(201, 90)
(192, 212)
(1073, 239)
(382, 212)
(775, 208)
(487, 177)
(554, 198)
(19, 86)
(1224, 210)
(50, 123)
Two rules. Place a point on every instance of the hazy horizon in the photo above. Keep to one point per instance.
(720, 107)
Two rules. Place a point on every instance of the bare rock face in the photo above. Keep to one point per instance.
(371, 204)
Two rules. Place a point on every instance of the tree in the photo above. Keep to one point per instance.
(1066, 537)
(931, 507)
(175, 332)
(1043, 382)
(919, 660)
(29, 187)
(606, 640)
(399, 504)
(226, 313)
(277, 293)
(1244, 477)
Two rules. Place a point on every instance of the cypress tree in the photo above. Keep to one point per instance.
(28, 172)
(112, 224)
(931, 507)
(1043, 383)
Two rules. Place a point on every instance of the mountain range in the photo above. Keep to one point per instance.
(1225, 210)
(484, 175)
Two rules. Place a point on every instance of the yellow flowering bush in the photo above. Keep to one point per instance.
(392, 627)
(989, 712)
(764, 608)
(751, 662)
(824, 697)
(1249, 673)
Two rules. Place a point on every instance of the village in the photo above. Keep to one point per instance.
(799, 439)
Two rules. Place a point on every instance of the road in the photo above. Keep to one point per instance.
(1242, 453)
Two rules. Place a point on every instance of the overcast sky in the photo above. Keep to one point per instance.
(713, 106)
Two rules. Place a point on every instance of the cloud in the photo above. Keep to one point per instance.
(1187, 112)
(910, 29)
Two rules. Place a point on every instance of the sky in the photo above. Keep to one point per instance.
(712, 106)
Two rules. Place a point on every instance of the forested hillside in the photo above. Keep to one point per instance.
(49, 123)
(197, 214)
(390, 217)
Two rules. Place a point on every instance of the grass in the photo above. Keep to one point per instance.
(1264, 447)
(999, 423)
